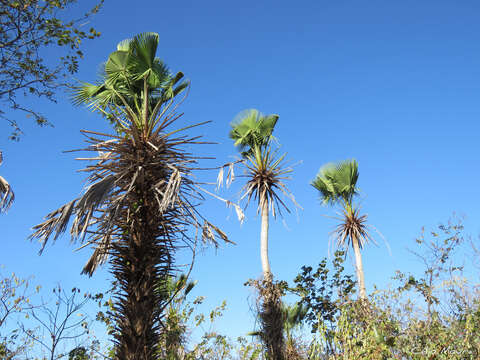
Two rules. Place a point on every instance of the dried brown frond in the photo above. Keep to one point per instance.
(139, 207)
(6, 193)
(105, 209)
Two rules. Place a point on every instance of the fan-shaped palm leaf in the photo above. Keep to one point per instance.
(251, 129)
(127, 75)
(337, 181)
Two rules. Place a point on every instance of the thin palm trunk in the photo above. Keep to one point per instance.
(264, 242)
(359, 269)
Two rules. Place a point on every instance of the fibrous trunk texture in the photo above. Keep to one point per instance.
(271, 318)
(143, 256)
(136, 212)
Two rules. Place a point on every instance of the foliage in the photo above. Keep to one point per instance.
(323, 291)
(31, 326)
(28, 29)
(15, 302)
(395, 324)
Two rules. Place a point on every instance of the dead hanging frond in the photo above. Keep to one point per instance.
(210, 233)
(92, 199)
(228, 203)
(54, 225)
(7, 195)
(169, 196)
(120, 170)
(230, 174)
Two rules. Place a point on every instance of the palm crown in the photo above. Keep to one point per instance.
(337, 182)
(251, 129)
(134, 81)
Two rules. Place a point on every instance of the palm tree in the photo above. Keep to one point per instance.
(252, 133)
(6, 193)
(141, 198)
(337, 185)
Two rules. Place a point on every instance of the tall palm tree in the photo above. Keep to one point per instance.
(337, 185)
(252, 134)
(6, 193)
(141, 198)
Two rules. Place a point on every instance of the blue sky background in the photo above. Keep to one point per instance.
(393, 84)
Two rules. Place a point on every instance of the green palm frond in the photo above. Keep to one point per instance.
(117, 68)
(145, 47)
(124, 45)
(337, 182)
(122, 90)
(294, 315)
(251, 129)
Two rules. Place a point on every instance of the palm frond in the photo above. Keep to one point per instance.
(6, 193)
(337, 182)
(54, 225)
(117, 67)
(251, 129)
(144, 46)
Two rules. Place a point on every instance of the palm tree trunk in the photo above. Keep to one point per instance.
(359, 268)
(264, 242)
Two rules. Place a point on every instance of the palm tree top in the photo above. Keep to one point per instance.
(337, 181)
(133, 81)
(251, 129)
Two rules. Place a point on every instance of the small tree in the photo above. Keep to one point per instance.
(28, 29)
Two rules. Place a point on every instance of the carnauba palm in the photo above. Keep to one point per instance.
(141, 198)
(252, 134)
(337, 185)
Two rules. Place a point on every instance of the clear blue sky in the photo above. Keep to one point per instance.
(395, 85)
